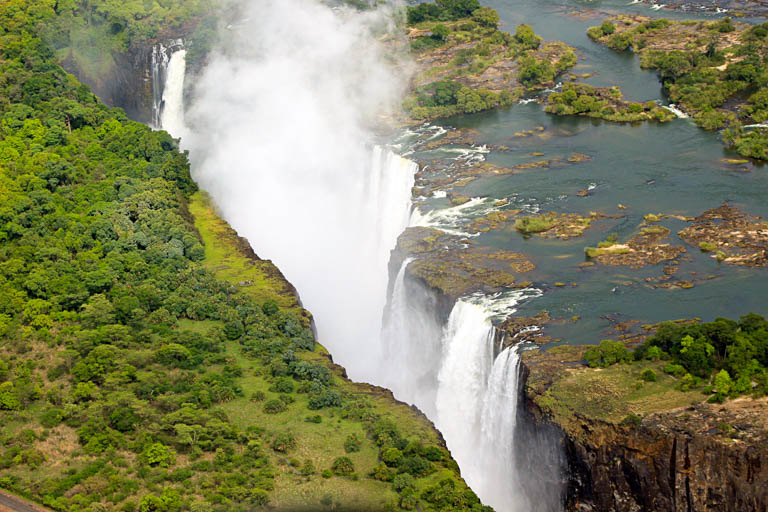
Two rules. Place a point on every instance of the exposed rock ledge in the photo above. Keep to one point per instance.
(703, 457)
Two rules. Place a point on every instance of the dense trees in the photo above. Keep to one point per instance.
(734, 353)
(442, 10)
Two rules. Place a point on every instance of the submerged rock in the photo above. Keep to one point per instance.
(732, 236)
(455, 268)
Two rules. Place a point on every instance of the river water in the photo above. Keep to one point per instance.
(673, 168)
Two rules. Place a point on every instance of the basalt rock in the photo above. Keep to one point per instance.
(704, 457)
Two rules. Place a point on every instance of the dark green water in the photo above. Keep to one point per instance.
(674, 168)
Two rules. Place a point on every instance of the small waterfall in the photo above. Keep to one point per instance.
(168, 69)
(679, 113)
(172, 110)
(160, 59)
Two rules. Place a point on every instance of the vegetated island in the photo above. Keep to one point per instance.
(681, 419)
(603, 103)
(149, 360)
(715, 71)
(467, 65)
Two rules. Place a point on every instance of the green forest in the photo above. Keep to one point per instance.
(136, 374)
(723, 358)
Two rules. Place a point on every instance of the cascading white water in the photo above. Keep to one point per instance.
(278, 135)
(477, 398)
(172, 110)
(410, 339)
(164, 92)
(468, 357)
(499, 484)
(159, 67)
(469, 390)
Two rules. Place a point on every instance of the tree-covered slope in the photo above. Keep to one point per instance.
(148, 359)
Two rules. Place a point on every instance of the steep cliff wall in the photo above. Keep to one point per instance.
(703, 457)
(126, 83)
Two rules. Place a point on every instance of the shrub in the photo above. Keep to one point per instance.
(275, 406)
(723, 385)
(440, 32)
(632, 420)
(433, 453)
(327, 473)
(607, 28)
(486, 16)
(674, 369)
(654, 354)
(527, 38)
(328, 398)
(688, 382)
(343, 466)
(284, 442)
(157, 454)
(648, 375)
(415, 465)
(352, 443)
(404, 481)
(392, 457)
(537, 224)
(51, 418)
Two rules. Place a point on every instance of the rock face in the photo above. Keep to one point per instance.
(705, 457)
(126, 84)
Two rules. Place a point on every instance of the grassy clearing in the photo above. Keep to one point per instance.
(226, 254)
(611, 394)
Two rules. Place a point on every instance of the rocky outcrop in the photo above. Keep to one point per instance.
(706, 457)
(125, 83)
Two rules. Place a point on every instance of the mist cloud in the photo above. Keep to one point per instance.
(277, 133)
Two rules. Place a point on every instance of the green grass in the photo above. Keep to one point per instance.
(528, 225)
(610, 394)
(594, 252)
(225, 256)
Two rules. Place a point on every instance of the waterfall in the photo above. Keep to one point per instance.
(159, 67)
(168, 70)
(499, 485)
(410, 340)
(172, 110)
(468, 357)
(279, 135)
(477, 396)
